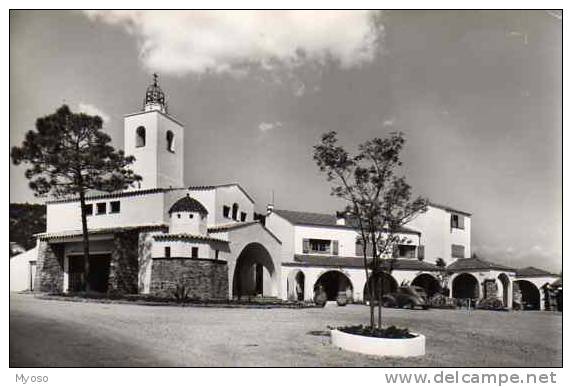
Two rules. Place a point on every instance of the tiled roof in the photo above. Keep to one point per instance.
(531, 271)
(188, 204)
(209, 187)
(448, 208)
(111, 195)
(328, 220)
(186, 237)
(230, 226)
(98, 231)
(234, 226)
(476, 264)
(357, 262)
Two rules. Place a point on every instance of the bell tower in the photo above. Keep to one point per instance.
(156, 139)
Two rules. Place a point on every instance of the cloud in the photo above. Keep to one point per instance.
(93, 110)
(388, 122)
(181, 42)
(267, 126)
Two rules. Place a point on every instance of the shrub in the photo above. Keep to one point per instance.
(320, 298)
(391, 332)
(181, 292)
(491, 304)
(342, 299)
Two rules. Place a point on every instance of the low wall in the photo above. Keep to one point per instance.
(205, 279)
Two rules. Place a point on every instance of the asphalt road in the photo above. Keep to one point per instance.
(48, 333)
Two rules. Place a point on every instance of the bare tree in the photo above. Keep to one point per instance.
(379, 202)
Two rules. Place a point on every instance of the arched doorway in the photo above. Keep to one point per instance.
(529, 294)
(254, 273)
(504, 280)
(389, 285)
(295, 285)
(333, 283)
(427, 282)
(465, 286)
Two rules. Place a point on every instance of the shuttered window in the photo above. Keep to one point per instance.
(306, 246)
(457, 221)
(421, 252)
(458, 251)
(359, 248)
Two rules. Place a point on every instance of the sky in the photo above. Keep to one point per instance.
(478, 95)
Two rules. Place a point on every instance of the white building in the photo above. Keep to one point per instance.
(151, 238)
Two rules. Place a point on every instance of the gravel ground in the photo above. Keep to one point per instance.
(48, 333)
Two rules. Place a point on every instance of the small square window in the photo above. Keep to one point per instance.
(115, 207)
(89, 209)
(167, 252)
(190, 216)
(101, 208)
(195, 252)
(178, 216)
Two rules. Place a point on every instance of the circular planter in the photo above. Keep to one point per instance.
(376, 346)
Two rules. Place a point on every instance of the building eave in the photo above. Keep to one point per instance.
(113, 195)
(186, 238)
(100, 231)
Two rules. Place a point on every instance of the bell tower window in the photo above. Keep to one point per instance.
(170, 141)
(140, 137)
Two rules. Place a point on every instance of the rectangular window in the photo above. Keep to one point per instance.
(406, 251)
(458, 251)
(167, 252)
(89, 209)
(321, 246)
(226, 211)
(457, 221)
(243, 216)
(194, 252)
(101, 208)
(115, 207)
(216, 254)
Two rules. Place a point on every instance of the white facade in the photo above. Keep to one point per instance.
(159, 153)
(23, 270)
(438, 236)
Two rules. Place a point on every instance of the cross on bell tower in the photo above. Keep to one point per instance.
(155, 97)
(156, 140)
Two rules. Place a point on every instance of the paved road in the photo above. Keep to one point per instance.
(46, 333)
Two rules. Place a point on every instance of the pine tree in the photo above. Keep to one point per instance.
(68, 154)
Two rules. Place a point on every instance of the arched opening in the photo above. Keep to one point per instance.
(254, 273)
(427, 282)
(235, 211)
(388, 285)
(295, 285)
(170, 141)
(503, 278)
(334, 283)
(465, 286)
(527, 295)
(140, 137)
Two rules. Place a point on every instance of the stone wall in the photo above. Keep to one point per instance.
(50, 268)
(205, 279)
(124, 263)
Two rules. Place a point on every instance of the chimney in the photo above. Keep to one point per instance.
(269, 209)
(340, 218)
